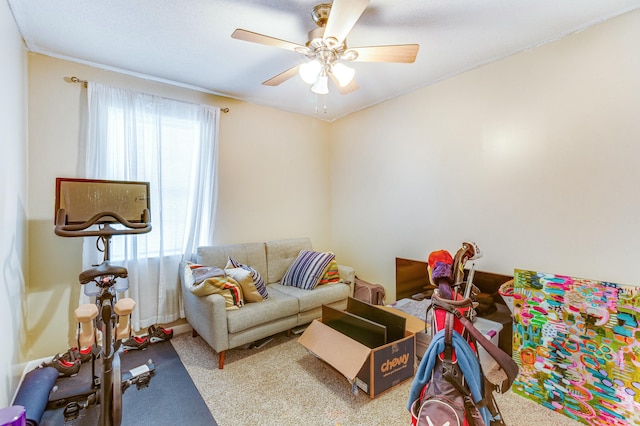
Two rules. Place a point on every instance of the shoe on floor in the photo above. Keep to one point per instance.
(159, 334)
(135, 342)
(67, 364)
(84, 354)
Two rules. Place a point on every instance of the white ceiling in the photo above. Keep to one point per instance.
(189, 42)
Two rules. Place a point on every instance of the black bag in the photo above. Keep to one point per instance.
(372, 294)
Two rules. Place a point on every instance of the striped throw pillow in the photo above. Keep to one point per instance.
(331, 275)
(243, 277)
(257, 278)
(306, 271)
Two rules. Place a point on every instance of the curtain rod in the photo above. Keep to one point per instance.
(74, 79)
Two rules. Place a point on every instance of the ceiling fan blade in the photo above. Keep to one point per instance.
(282, 77)
(405, 53)
(245, 35)
(342, 18)
(352, 86)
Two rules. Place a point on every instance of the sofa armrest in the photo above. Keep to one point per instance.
(348, 275)
(207, 315)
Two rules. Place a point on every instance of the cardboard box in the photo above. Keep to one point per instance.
(414, 324)
(374, 370)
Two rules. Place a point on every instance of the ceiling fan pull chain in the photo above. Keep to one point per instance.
(324, 104)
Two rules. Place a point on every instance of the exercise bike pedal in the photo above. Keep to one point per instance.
(143, 380)
(140, 376)
(71, 411)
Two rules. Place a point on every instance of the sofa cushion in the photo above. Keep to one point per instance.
(252, 254)
(305, 272)
(281, 254)
(256, 277)
(311, 299)
(277, 306)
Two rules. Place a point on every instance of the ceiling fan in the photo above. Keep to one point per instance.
(327, 49)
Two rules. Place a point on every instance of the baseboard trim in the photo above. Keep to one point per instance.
(31, 365)
(181, 328)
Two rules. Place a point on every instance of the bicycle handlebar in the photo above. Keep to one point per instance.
(80, 230)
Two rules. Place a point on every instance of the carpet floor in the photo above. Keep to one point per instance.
(283, 384)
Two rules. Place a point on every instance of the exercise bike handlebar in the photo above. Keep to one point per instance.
(81, 230)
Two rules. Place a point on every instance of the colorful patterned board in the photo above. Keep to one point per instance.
(577, 343)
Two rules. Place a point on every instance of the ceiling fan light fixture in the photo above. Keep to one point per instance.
(309, 71)
(326, 48)
(321, 86)
(343, 73)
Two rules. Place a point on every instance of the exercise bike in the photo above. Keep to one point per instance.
(110, 313)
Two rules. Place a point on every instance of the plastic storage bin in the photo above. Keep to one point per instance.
(491, 330)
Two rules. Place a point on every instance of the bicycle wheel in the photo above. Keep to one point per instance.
(116, 391)
(111, 386)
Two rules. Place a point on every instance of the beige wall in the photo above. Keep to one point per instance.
(273, 171)
(13, 205)
(534, 157)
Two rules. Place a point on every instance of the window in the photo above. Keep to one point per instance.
(175, 139)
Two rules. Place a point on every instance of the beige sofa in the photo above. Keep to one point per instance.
(285, 308)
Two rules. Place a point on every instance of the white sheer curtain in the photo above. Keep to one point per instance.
(172, 145)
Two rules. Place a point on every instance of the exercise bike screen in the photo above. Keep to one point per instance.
(83, 198)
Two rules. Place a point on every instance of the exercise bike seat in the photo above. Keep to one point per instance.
(104, 269)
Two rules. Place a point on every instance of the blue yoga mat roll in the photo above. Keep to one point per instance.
(33, 394)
